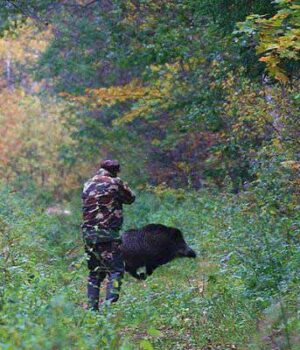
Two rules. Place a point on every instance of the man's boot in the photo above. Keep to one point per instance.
(93, 289)
(113, 286)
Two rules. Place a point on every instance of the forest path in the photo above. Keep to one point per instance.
(184, 304)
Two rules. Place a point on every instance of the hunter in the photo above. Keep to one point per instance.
(103, 197)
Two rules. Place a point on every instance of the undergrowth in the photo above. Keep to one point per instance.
(241, 292)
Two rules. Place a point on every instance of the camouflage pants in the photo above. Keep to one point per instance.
(104, 260)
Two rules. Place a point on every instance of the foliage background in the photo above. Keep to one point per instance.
(200, 102)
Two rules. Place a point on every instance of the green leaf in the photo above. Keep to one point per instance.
(146, 345)
(154, 332)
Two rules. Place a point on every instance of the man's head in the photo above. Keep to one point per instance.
(111, 165)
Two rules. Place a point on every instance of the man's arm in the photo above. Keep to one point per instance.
(125, 194)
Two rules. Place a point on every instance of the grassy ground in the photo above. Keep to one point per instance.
(206, 303)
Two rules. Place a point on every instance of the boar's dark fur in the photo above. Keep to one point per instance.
(152, 246)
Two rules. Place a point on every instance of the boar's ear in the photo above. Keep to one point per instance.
(176, 233)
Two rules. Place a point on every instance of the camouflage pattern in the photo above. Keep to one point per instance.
(103, 197)
(105, 259)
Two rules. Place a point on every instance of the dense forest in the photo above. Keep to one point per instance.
(199, 100)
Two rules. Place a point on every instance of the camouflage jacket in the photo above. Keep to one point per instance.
(102, 198)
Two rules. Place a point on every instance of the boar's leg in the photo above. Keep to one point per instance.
(133, 273)
(139, 276)
(149, 269)
(142, 276)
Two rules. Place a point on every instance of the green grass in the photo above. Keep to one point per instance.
(216, 299)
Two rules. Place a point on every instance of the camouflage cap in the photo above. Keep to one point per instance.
(110, 165)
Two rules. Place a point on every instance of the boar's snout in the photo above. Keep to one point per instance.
(188, 252)
(191, 253)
